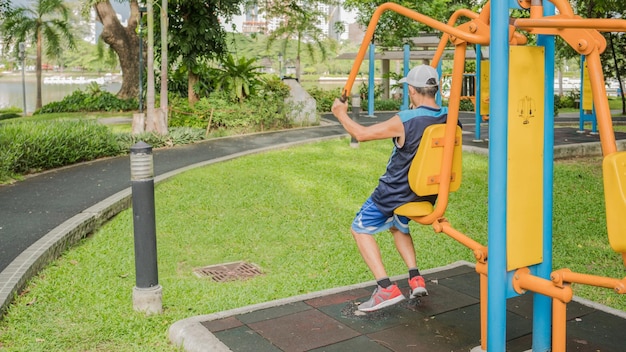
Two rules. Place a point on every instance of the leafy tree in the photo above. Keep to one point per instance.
(44, 21)
(196, 35)
(5, 5)
(299, 20)
(90, 57)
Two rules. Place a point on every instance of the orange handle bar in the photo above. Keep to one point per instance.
(599, 24)
(565, 275)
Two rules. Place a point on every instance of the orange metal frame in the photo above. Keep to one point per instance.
(583, 35)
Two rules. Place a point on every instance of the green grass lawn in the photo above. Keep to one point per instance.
(287, 211)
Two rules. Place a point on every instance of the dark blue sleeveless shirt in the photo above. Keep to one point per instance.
(393, 187)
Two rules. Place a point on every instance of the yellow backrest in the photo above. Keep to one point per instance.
(614, 169)
(426, 165)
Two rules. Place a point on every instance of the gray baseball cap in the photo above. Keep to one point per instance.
(419, 76)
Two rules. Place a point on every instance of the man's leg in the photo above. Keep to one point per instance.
(404, 245)
(386, 293)
(369, 221)
(368, 247)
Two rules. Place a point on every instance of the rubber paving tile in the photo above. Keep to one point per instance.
(445, 320)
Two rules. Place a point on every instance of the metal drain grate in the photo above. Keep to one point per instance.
(229, 272)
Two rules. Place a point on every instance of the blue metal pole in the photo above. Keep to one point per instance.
(371, 83)
(594, 120)
(479, 57)
(542, 313)
(581, 112)
(440, 73)
(405, 88)
(498, 150)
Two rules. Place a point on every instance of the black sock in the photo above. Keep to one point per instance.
(384, 282)
(413, 273)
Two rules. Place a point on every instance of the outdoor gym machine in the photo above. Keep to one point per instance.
(521, 152)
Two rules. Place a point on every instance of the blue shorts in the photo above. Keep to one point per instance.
(369, 220)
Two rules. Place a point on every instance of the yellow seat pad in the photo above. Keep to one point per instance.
(614, 169)
(414, 209)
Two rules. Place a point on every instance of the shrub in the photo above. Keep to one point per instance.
(324, 97)
(266, 109)
(40, 145)
(10, 113)
(93, 99)
(385, 104)
(177, 81)
(565, 101)
(364, 90)
(466, 105)
(238, 78)
(176, 136)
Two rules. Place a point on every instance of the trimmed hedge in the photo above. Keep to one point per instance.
(10, 113)
(87, 101)
(34, 146)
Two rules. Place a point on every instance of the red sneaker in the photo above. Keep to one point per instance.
(381, 298)
(418, 287)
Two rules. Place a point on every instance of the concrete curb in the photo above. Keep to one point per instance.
(15, 277)
(583, 149)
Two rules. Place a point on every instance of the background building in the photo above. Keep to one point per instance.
(254, 21)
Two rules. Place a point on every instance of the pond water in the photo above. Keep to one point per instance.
(11, 90)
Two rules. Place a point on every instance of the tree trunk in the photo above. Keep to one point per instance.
(151, 114)
(38, 102)
(125, 42)
(164, 65)
(560, 81)
(617, 73)
(192, 80)
(298, 58)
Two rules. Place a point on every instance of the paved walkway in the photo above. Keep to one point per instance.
(46, 213)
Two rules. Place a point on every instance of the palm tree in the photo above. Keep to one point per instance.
(300, 21)
(45, 21)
